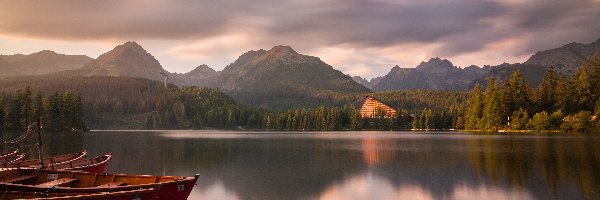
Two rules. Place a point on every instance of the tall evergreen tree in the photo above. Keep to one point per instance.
(491, 109)
(355, 119)
(514, 95)
(563, 100)
(546, 95)
(475, 109)
(583, 89)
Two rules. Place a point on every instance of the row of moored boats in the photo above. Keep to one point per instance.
(74, 176)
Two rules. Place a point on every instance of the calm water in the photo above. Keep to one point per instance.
(354, 165)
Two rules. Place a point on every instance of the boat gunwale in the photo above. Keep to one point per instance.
(10, 154)
(175, 180)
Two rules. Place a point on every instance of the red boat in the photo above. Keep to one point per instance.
(47, 161)
(35, 180)
(9, 157)
(92, 165)
(10, 154)
(122, 195)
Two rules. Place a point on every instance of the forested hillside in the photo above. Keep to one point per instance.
(136, 103)
(57, 111)
(129, 103)
(568, 103)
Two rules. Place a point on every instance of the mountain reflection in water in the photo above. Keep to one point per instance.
(354, 165)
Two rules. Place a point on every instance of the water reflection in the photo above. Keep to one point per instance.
(355, 165)
(372, 186)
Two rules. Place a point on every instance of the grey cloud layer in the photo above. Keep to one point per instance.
(459, 26)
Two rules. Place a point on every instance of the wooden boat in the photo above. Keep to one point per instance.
(93, 165)
(12, 159)
(47, 161)
(8, 157)
(35, 180)
(120, 195)
(10, 154)
(17, 158)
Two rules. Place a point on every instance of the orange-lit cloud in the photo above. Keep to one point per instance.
(364, 38)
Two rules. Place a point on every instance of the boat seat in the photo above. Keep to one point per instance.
(113, 184)
(19, 179)
(58, 182)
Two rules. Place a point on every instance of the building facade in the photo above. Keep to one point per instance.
(373, 108)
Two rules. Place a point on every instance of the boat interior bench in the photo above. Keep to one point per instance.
(113, 184)
(58, 182)
(19, 179)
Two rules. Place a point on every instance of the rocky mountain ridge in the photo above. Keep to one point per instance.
(128, 59)
(441, 74)
(39, 63)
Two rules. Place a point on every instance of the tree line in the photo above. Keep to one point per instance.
(566, 103)
(135, 103)
(57, 111)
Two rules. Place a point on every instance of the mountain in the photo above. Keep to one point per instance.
(364, 82)
(128, 59)
(43, 62)
(283, 78)
(434, 74)
(197, 76)
(565, 59)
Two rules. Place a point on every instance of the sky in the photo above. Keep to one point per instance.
(357, 37)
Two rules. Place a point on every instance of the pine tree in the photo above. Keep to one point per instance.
(38, 107)
(583, 90)
(514, 95)
(563, 100)
(427, 119)
(491, 110)
(547, 91)
(355, 119)
(475, 109)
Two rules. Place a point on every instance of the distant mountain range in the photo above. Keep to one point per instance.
(43, 62)
(434, 74)
(277, 78)
(566, 58)
(442, 74)
(283, 78)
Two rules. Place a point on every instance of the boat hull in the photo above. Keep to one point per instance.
(121, 195)
(168, 187)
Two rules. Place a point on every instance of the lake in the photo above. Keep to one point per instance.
(353, 165)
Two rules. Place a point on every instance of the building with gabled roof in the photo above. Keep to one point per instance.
(372, 106)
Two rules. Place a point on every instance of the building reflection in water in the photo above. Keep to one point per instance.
(376, 151)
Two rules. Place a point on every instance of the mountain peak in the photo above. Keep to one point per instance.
(132, 45)
(128, 59)
(202, 69)
(44, 52)
(283, 49)
(280, 51)
(436, 63)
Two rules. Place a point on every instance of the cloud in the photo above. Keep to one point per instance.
(374, 34)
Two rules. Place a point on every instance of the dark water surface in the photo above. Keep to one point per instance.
(353, 165)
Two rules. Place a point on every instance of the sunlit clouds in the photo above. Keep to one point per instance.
(357, 37)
